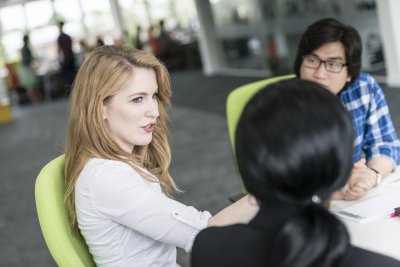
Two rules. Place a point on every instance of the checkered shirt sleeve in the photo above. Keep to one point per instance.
(374, 131)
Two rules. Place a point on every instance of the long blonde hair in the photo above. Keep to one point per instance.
(103, 73)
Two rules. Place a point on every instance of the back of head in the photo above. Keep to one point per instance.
(102, 74)
(60, 25)
(326, 31)
(290, 135)
(25, 39)
(294, 142)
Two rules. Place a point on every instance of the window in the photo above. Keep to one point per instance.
(12, 18)
(98, 16)
(38, 14)
(68, 10)
(13, 26)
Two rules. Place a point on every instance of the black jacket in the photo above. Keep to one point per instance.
(249, 246)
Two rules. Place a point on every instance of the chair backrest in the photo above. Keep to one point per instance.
(237, 100)
(66, 249)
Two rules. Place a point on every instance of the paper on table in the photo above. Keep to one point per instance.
(393, 184)
(367, 210)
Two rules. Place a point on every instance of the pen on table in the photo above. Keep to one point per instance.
(393, 215)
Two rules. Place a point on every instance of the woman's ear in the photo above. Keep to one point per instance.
(104, 112)
(348, 79)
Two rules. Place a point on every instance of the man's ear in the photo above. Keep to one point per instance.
(348, 79)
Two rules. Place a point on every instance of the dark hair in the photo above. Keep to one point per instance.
(326, 31)
(294, 141)
(25, 38)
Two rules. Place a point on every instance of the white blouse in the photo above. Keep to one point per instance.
(128, 221)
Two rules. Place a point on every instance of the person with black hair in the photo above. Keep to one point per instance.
(294, 148)
(66, 56)
(165, 42)
(329, 53)
(27, 74)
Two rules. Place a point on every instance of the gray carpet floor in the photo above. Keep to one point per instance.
(202, 162)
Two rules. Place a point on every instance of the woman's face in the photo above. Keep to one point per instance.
(332, 52)
(131, 113)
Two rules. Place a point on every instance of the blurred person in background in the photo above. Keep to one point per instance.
(66, 56)
(137, 42)
(27, 74)
(153, 41)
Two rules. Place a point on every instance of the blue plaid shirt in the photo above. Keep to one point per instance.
(374, 131)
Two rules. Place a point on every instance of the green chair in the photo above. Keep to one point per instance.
(237, 100)
(66, 249)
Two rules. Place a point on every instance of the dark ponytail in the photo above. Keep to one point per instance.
(314, 238)
(294, 142)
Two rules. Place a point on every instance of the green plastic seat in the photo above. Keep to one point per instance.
(237, 100)
(66, 249)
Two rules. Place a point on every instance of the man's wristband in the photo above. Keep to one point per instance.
(378, 177)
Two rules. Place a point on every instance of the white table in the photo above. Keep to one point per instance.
(382, 234)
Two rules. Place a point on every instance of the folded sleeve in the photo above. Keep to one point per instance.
(380, 135)
(119, 193)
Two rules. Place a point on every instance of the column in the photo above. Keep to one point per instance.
(389, 23)
(116, 13)
(210, 47)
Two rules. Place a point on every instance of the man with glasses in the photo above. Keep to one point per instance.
(329, 53)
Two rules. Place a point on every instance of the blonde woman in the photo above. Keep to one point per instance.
(117, 159)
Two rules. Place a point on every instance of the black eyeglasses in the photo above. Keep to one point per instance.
(314, 62)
